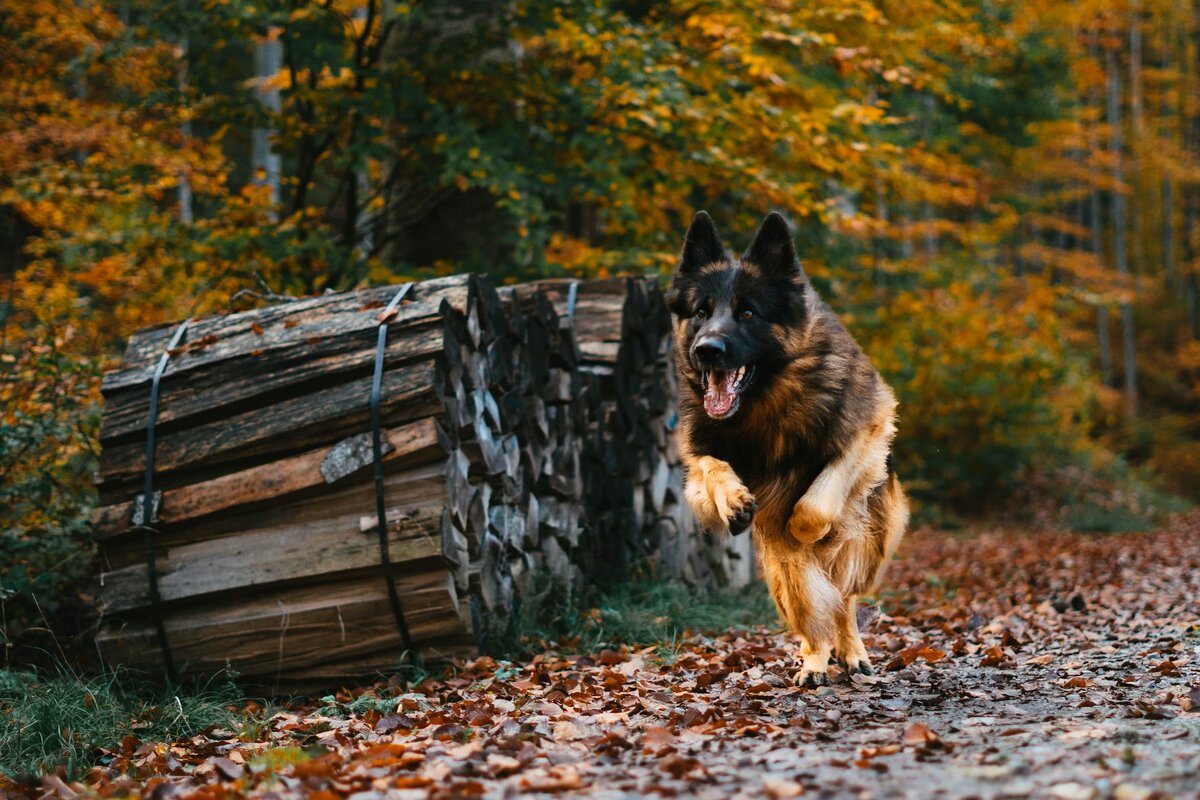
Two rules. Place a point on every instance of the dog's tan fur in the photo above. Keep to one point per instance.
(829, 511)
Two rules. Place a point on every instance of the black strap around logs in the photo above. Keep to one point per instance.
(377, 449)
(148, 511)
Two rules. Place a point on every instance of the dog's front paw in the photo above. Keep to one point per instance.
(743, 507)
(814, 665)
(807, 523)
(859, 666)
(811, 678)
(853, 655)
(717, 496)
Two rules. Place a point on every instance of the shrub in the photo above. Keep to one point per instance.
(986, 383)
(47, 457)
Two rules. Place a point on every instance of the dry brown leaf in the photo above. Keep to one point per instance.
(554, 779)
(918, 733)
(781, 788)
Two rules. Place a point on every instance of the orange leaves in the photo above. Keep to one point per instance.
(909, 655)
(918, 733)
(727, 102)
(984, 369)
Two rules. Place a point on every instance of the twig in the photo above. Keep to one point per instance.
(266, 295)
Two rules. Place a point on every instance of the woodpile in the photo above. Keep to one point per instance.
(633, 497)
(526, 446)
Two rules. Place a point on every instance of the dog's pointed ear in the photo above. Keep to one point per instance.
(701, 245)
(772, 250)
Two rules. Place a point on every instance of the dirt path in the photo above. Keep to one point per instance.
(1049, 665)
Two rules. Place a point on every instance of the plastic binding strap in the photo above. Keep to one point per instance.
(572, 296)
(377, 450)
(147, 523)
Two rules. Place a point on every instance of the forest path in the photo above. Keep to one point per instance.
(1009, 665)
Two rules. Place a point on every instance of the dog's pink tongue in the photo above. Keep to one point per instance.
(718, 393)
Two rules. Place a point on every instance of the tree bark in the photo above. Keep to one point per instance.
(265, 163)
(1103, 340)
(1137, 267)
(1166, 187)
(1119, 245)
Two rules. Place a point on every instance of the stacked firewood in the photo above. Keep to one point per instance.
(633, 500)
(526, 443)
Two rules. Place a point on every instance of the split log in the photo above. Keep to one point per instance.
(285, 554)
(285, 479)
(278, 637)
(284, 428)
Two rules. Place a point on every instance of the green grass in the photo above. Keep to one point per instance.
(63, 719)
(649, 611)
(1092, 518)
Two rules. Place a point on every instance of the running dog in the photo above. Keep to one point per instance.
(786, 428)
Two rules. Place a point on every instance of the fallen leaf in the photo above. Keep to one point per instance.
(781, 788)
(919, 733)
(555, 779)
(227, 768)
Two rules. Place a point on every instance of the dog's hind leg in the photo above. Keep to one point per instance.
(809, 603)
(890, 511)
(850, 647)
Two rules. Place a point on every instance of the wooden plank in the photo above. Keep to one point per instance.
(418, 487)
(276, 481)
(285, 427)
(234, 333)
(272, 555)
(259, 377)
(258, 548)
(271, 633)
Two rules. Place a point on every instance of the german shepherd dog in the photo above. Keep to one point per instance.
(786, 427)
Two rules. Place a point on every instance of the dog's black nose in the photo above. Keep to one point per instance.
(709, 348)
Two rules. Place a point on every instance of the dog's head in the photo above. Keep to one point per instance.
(733, 315)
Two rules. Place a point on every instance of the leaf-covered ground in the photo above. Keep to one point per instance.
(1010, 665)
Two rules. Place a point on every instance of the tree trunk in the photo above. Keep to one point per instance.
(184, 191)
(1168, 190)
(1137, 267)
(1190, 45)
(265, 163)
(879, 241)
(1118, 219)
(1103, 340)
(1191, 295)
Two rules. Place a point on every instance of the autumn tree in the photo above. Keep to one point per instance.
(1000, 199)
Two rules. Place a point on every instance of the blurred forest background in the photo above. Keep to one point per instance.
(999, 197)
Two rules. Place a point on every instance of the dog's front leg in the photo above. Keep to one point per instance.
(860, 467)
(717, 496)
(814, 513)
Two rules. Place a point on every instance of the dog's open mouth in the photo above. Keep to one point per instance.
(723, 390)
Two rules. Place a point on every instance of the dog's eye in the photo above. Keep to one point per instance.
(701, 313)
(747, 314)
